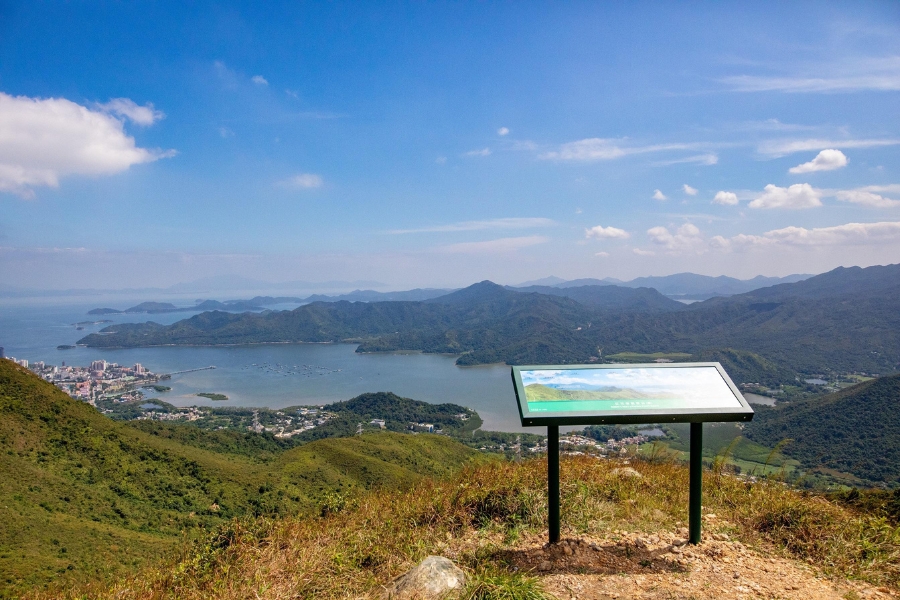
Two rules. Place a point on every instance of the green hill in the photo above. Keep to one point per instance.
(83, 496)
(855, 430)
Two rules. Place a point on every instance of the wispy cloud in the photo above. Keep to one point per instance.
(707, 159)
(752, 83)
(503, 131)
(826, 160)
(658, 195)
(783, 147)
(690, 191)
(144, 116)
(839, 235)
(303, 181)
(489, 224)
(595, 149)
(501, 245)
(482, 152)
(259, 80)
(870, 196)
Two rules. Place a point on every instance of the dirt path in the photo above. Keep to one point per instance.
(664, 566)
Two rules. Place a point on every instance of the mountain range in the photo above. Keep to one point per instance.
(845, 320)
(682, 286)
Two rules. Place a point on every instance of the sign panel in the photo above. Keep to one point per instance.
(645, 393)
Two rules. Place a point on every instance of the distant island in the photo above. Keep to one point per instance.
(212, 396)
(165, 307)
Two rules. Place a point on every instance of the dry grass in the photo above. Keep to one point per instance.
(371, 539)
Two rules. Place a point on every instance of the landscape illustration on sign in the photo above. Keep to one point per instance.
(592, 389)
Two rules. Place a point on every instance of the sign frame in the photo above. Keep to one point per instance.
(629, 417)
(696, 418)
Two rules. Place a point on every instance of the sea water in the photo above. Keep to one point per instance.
(264, 375)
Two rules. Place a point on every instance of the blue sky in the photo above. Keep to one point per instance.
(439, 144)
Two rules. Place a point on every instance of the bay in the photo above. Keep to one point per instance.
(264, 375)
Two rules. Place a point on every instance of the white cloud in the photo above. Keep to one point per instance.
(593, 149)
(303, 181)
(686, 238)
(224, 132)
(708, 159)
(799, 195)
(44, 140)
(602, 254)
(503, 131)
(725, 198)
(866, 197)
(502, 245)
(776, 148)
(641, 252)
(482, 152)
(504, 223)
(826, 160)
(658, 195)
(689, 190)
(855, 234)
(441, 160)
(139, 115)
(601, 232)
(259, 80)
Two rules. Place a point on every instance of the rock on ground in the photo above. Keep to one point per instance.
(435, 577)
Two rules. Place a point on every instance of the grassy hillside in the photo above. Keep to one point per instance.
(856, 430)
(82, 495)
(491, 520)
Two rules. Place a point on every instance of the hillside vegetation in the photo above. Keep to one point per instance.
(844, 321)
(618, 524)
(84, 496)
(855, 430)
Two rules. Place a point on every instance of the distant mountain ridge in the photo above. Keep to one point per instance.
(816, 324)
(686, 286)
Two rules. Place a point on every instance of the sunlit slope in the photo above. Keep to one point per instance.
(81, 494)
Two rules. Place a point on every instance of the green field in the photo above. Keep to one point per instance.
(636, 357)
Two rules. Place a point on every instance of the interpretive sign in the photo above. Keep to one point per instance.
(646, 393)
(692, 393)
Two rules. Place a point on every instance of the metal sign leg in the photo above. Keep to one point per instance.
(696, 497)
(553, 480)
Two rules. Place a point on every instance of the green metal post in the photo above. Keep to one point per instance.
(553, 480)
(696, 497)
